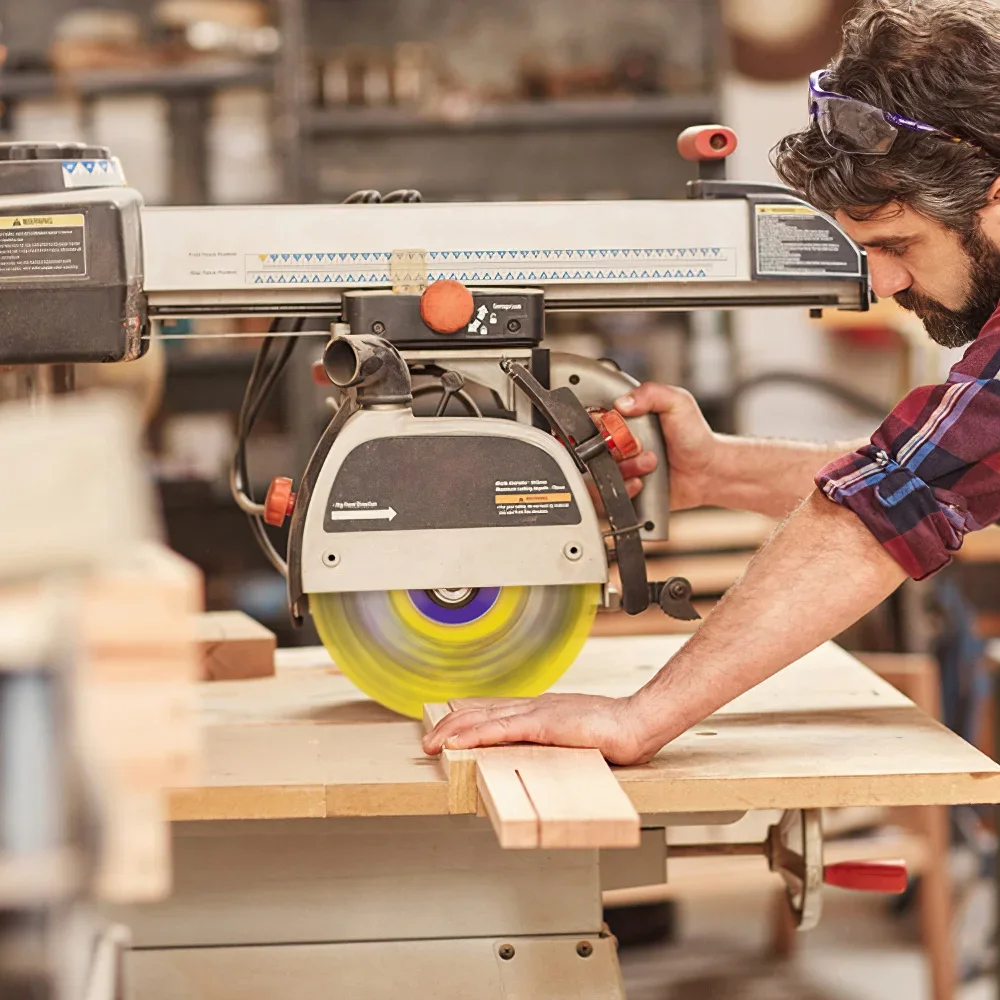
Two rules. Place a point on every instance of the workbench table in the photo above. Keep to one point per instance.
(317, 857)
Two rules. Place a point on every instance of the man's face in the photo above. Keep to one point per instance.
(950, 280)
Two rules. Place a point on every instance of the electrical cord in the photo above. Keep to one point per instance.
(259, 387)
(258, 390)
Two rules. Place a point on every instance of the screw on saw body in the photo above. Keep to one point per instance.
(572, 551)
(514, 325)
(330, 558)
(506, 952)
(378, 328)
(585, 949)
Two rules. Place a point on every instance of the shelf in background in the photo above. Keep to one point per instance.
(160, 80)
(611, 112)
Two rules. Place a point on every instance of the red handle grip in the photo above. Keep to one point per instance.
(867, 876)
(706, 142)
(619, 439)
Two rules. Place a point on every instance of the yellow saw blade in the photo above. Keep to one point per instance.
(405, 648)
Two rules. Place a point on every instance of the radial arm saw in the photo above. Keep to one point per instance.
(448, 556)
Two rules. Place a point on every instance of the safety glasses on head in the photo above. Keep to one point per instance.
(852, 126)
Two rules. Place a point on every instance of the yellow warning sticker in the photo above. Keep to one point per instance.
(533, 498)
(41, 221)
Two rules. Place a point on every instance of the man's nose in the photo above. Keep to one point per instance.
(888, 276)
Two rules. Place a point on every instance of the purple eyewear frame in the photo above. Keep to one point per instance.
(817, 94)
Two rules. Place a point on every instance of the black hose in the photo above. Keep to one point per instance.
(258, 390)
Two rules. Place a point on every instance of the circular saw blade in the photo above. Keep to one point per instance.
(405, 648)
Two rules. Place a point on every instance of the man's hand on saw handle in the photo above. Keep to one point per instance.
(690, 443)
(720, 470)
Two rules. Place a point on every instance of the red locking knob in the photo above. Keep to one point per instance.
(706, 142)
(279, 503)
(867, 876)
(446, 306)
(619, 439)
(319, 375)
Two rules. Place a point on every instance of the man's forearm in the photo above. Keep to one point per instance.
(820, 572)
(767, 476)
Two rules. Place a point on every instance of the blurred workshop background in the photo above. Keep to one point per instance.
(250, 101)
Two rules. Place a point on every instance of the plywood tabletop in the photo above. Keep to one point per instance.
(824, 732)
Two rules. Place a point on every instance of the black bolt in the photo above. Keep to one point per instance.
(506, 952)
(574, 380)
(679, 589)
(378, 327)
(514, 325)
(585, 949)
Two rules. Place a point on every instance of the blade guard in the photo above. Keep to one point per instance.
(572, 424)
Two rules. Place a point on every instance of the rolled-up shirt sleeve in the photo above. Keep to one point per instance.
(931, 472)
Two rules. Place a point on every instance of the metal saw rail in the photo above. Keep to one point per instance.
(587, 256)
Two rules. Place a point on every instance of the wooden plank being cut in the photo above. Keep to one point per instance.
(540, 796)
(508, 806)
(234, 646)
(575, 797)
(459, 765)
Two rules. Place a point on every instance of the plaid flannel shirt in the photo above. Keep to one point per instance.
(932, 470)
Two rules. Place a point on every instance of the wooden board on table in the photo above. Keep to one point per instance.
(825, 732)
(234, 647)
(539, 796)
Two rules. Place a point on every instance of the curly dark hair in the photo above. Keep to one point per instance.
(937, 61)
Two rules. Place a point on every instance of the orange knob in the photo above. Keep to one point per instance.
(446, 306)
(620, 440)
(319, 375)
(706, 142)
(279, 503)
(867, 876)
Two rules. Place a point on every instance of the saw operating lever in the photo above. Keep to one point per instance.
(573, 425)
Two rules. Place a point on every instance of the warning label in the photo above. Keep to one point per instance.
(795, 239)
(42, 246)
(537, 496)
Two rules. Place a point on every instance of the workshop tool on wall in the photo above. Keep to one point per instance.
(457, 552)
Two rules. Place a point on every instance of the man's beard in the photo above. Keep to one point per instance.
(957, 327)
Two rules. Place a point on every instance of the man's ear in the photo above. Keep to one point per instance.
(989, 214)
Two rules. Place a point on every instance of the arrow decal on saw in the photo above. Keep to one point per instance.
(363, 515)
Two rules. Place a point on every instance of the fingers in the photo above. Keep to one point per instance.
(498, 704)
(641, 465)
(520, 728)
(651, 397)
(453, 726)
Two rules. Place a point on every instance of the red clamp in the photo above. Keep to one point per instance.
(868, 876)
(279, 503)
